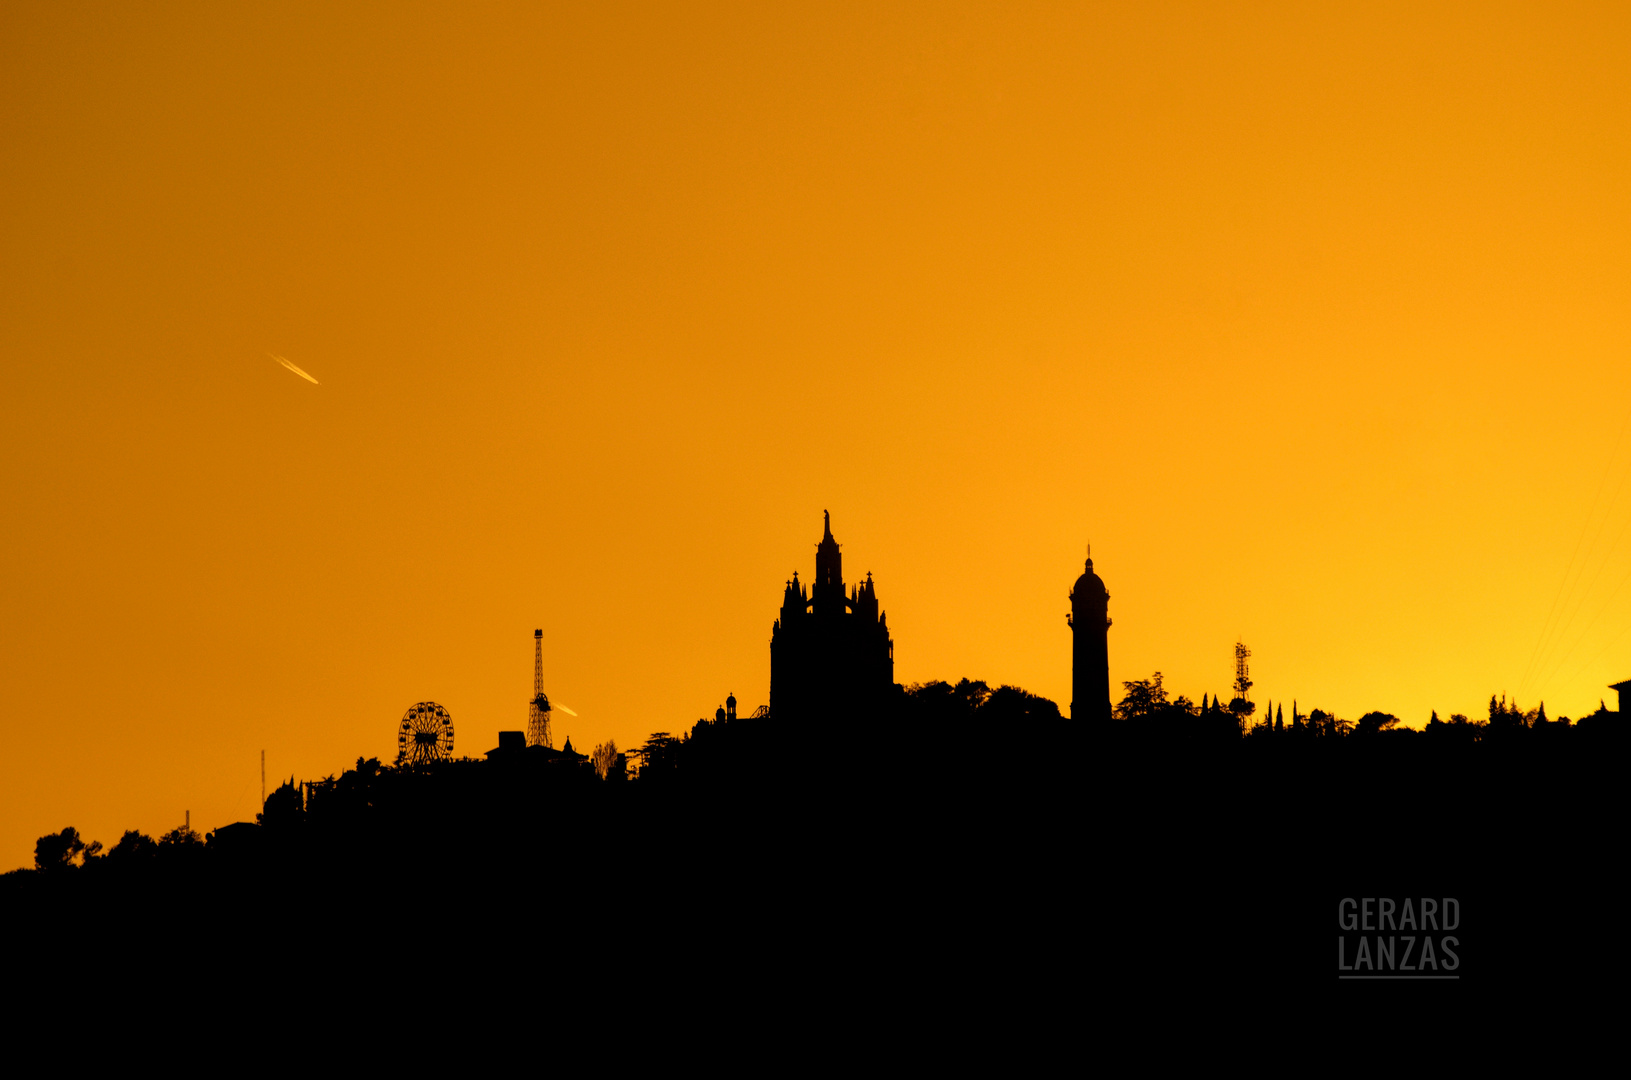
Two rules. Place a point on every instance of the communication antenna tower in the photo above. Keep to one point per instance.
(1242, 705)
(1243, 677)
(538, 733)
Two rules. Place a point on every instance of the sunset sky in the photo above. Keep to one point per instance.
(1312, 318)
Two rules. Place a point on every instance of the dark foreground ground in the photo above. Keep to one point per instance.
(1195, 879)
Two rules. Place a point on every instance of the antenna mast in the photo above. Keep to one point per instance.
(1242, 705)
(538, 733)
(1243, 671)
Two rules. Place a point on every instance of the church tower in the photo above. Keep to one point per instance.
(830, 653)
(1090, 654)
(827, 596)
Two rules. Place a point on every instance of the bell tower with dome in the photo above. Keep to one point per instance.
(830, 652)
(1089, 622)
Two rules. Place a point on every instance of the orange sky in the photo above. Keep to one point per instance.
(1312, 318)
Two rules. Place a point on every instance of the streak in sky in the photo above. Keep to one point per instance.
(294, 369)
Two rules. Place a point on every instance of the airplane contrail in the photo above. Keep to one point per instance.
(564, 709)
(294, 369)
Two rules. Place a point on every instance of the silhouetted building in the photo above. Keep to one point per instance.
(830, 653)
(513, 751)
(238, 838)
(1625, 695)
(1090, 653)
(509, 743)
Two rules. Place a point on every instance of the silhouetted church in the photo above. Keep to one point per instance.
(830, 653)
(1089, 621)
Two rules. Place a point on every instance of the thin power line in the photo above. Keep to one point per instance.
(1606, 606)
(1563, 586)
(1612, 641)
(1584, 595)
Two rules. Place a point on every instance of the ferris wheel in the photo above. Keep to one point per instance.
(425, 735)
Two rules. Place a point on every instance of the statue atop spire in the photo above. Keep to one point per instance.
(827, 598)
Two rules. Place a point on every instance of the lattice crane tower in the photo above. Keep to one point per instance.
(538, 733)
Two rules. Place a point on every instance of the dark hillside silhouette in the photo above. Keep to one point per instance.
(1157, 841)
(957, 806)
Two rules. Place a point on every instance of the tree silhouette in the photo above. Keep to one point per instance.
(181, 837)
(284, 809)
(658, 756)
(133, 847)
(1008, 711)
(1506, 719)
(56, 852)
(1143, 699)
(1327, 725)
(1373, 722)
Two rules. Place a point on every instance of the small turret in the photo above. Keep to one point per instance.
(793, 601)
(865, 603)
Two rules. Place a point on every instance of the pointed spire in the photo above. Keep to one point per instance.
(826, 526)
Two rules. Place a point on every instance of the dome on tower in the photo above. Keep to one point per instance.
(1089, 585)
